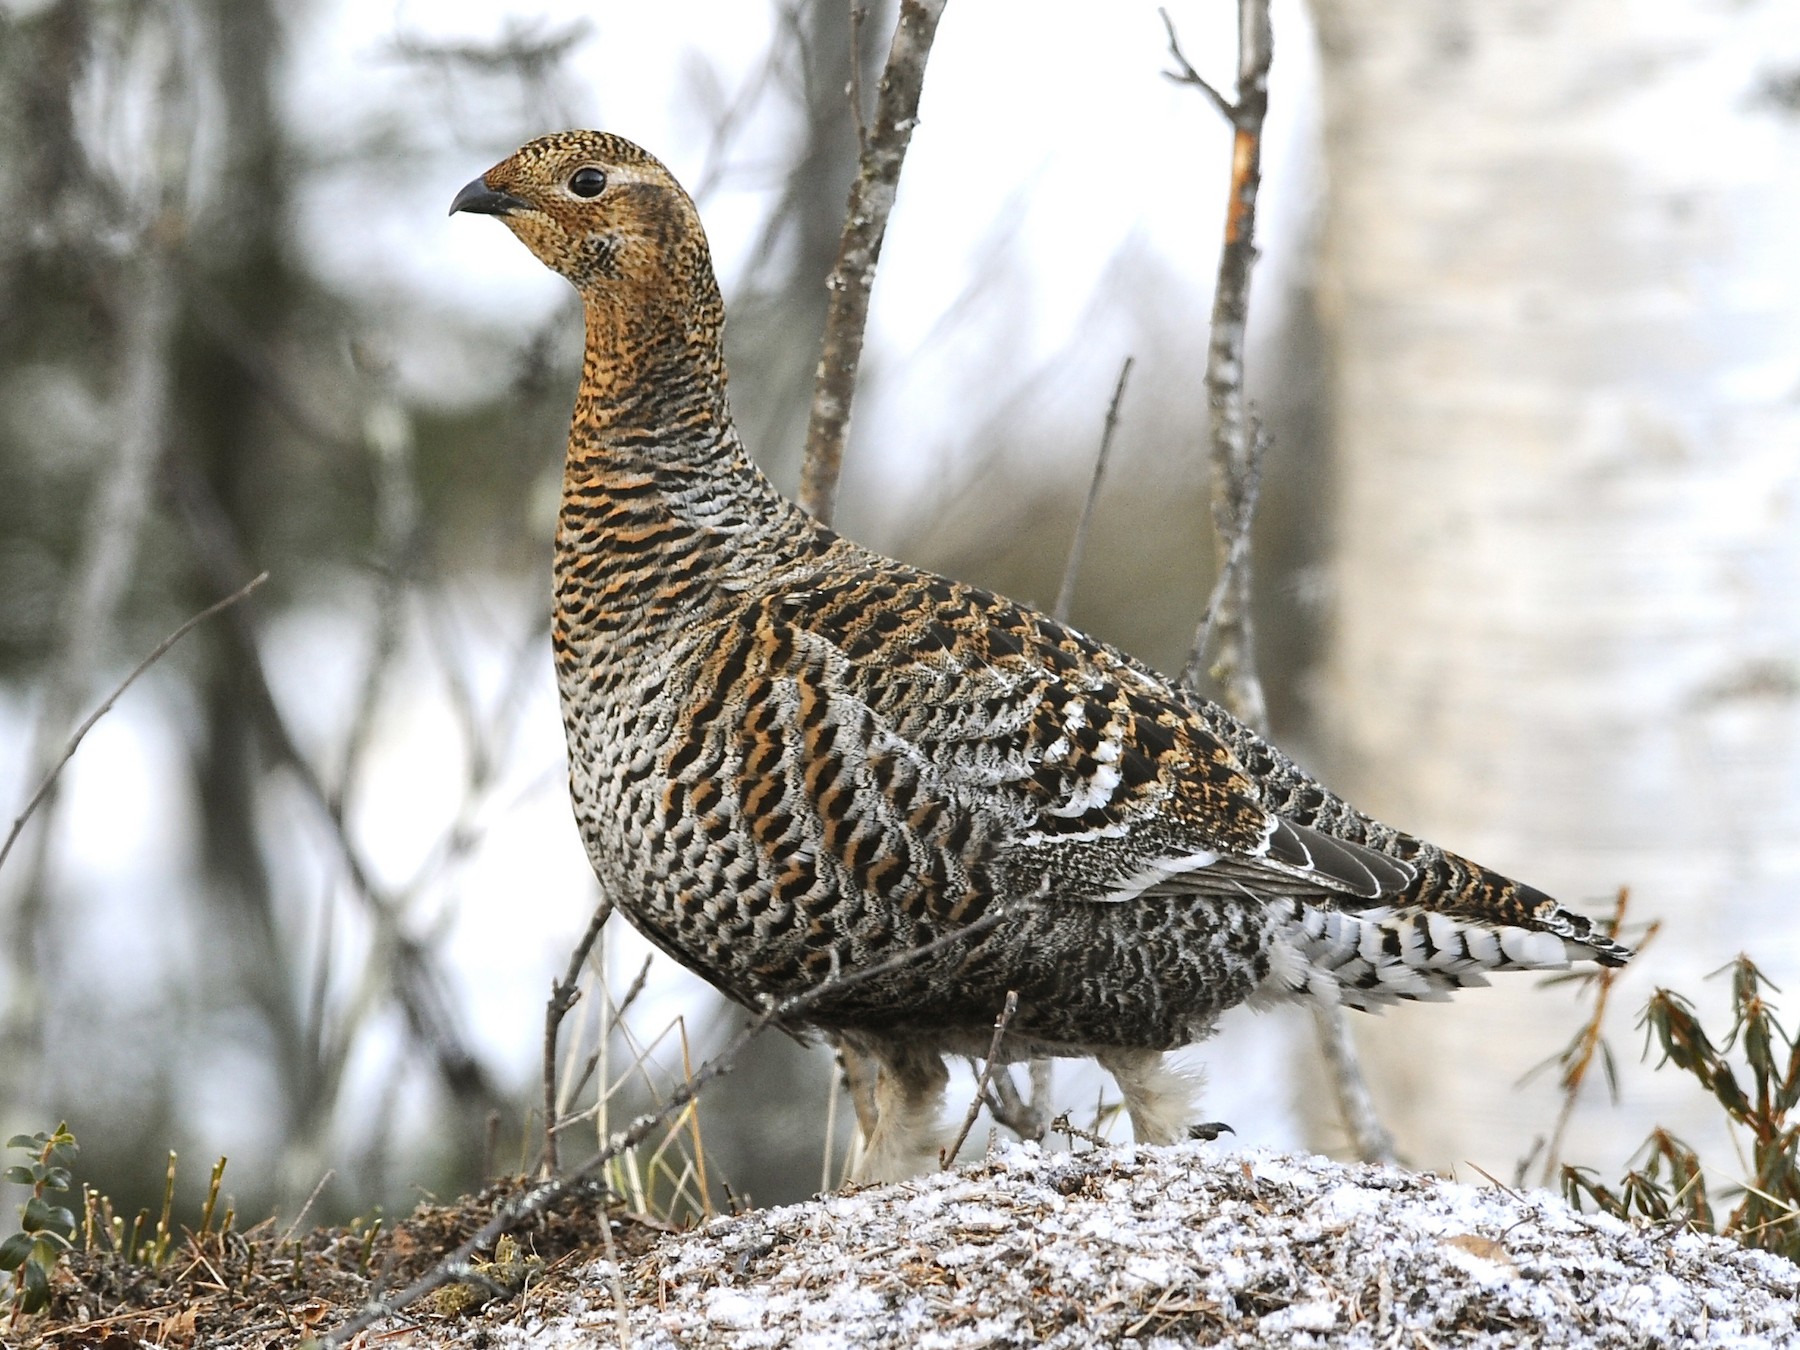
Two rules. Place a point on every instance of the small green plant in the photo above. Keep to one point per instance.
(1753, 1073)
(46, 1230)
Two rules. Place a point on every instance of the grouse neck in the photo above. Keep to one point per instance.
(652, 378)
(657, 475)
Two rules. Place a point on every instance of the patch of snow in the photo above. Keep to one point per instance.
(1163, 1247)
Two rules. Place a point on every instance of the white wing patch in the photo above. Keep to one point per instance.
(1091, 792)
(1095, 790)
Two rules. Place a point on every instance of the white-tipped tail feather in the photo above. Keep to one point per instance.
(1372, 958)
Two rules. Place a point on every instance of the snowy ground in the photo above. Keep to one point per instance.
(1163, 1247)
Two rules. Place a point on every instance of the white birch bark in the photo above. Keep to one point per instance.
(1562, 284)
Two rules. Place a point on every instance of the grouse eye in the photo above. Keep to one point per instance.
(589, 182)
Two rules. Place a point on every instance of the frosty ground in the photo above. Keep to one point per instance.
(1156, 1248)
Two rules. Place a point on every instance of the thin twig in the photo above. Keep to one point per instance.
(1234, 441)
(563, 994)
(1065, 594)
(858, 14)
(1236, 564)
(623, 1006)
(1186, 74)
(1070, 1130)
(977, 1101)
(306, 1208)
(865, 226)
(74, 741)
(455, 1266)
(615, 1014)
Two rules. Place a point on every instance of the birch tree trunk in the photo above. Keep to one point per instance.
(1562, 291)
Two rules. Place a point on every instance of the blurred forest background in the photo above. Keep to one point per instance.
(1527, 339)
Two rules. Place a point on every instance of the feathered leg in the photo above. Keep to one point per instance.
(909, 1097)
(1159, 1100)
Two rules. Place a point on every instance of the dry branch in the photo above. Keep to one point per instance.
(1233, 440)
(865, 226)
(986, 1076)
(1236, 450)
(563, 995)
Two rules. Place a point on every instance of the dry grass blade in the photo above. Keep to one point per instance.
(74, 742)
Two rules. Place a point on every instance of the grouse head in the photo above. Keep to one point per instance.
(600, 211)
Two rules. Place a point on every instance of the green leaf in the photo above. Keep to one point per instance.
(34, 1142)
(57, 1178)
(38, 1213)
(14, 1250)
(37, 1288)
(1731, 1096)
(20, 1176)
(62, 1222)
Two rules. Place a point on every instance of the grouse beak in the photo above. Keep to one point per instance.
(481, 199)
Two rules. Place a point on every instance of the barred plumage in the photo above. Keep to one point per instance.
(792, 757)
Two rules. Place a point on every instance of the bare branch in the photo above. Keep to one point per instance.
(1233, 572)
(1186, 74)
(1356, 1104)
(1065, 594)
(563, 995)
(987, 1074)
(865, 226)
(74, 741)
(1236, 454)
(456, 1265)
(1233, 439)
